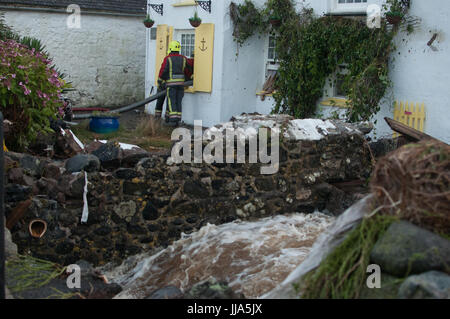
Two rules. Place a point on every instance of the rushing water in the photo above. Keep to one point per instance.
(253, 257)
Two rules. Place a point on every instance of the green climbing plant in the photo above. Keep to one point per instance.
(311, 48)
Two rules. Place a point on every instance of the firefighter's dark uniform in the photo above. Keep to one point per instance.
(175, 69)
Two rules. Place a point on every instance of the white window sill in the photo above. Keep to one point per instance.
(342, 10)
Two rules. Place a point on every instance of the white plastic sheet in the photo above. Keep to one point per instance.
(85, 215)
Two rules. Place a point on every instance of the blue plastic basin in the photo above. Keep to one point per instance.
(104, 124)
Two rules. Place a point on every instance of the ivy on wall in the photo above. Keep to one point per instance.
(311, 48)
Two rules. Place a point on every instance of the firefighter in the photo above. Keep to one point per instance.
(175, 70)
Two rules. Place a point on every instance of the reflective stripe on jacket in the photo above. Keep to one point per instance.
(175, 69)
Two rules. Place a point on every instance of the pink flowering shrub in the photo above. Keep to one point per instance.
(30, 91)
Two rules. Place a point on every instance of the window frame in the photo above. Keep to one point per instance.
(269, 64)
(178, 34)
(330, 95)
(348, 8)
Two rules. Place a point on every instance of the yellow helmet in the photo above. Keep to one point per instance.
(174, 46)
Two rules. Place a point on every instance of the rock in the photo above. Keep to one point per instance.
(66, 144)
(145, 164)
(169, 292)
(93, 146)
(126, 173)
(16, 193)
(15, 175)
(53, 170)
(407, 249)
(150, 212)
(88, 163)
(110, 155)
(195, 189)
(388, 290)
(10, 247)
(31, 165)
(72, 185)
(429, 285)
(133, 156)
(383, 146)
(47, 186)
(212, 289)
(126, 210)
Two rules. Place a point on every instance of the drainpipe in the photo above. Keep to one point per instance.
(84, 11)
(2, 215)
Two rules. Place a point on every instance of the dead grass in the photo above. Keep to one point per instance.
(149, 134)
(414, 183)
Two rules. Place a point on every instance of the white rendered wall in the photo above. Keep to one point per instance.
(421, 73)
(104, 59)
(198, 106)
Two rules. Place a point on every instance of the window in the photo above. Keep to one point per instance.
(348, 6)
(335, 93)
(187, 41)
(351, 1)
(271, 53)
(271, 67)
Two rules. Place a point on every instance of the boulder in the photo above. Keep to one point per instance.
(388, 290)
(407, 249)
(109, 154)
(88, 163)
(429, 285)
(132, 156)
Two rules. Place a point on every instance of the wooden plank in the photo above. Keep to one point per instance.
(407, 131)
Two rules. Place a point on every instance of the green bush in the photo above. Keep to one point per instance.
(30, 91)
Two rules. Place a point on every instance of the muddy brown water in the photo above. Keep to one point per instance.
(253, 257)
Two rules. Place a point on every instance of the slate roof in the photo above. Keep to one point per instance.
(122, 6)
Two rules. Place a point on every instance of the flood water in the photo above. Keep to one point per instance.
(253, 257)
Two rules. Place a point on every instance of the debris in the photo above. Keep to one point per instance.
(17, 213)
(410, 133)
(68, 144)
(413, 182)
(37, 228)
(85, 215)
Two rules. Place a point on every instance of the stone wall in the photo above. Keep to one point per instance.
(137, 201)
(104, 59)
